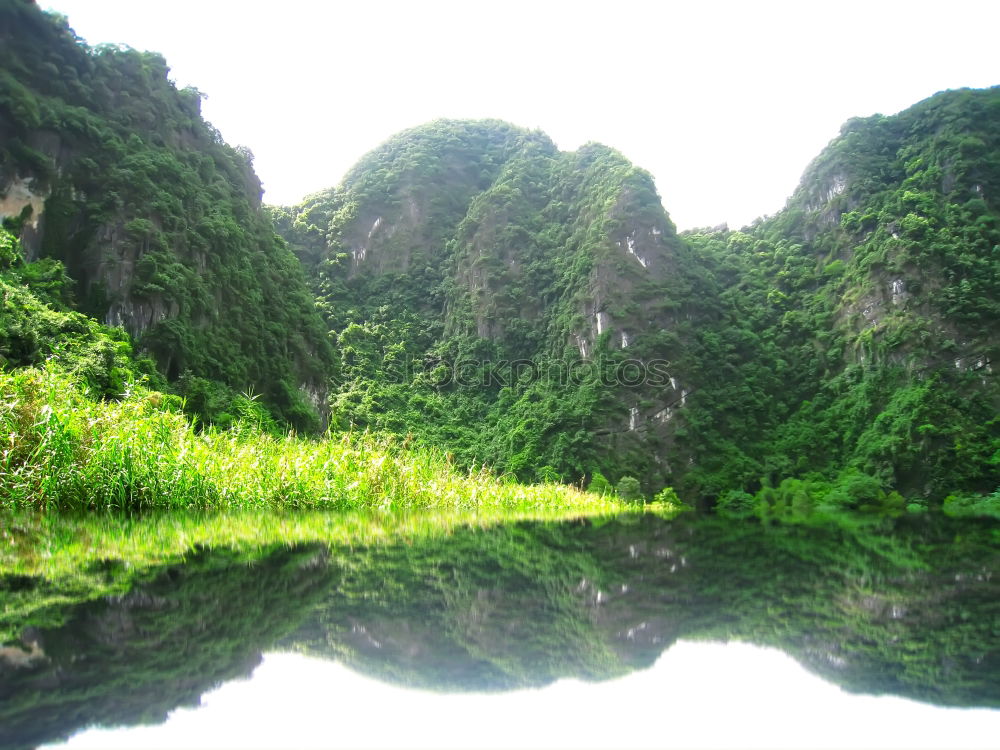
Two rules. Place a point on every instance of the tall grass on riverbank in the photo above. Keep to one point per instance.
(62, 449)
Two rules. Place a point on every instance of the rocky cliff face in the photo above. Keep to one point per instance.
(854, 331)
(471, 244)
(871, 300)
(908, 204)
(107, 167)
(591, 212)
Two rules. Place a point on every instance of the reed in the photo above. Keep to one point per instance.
(63, 450)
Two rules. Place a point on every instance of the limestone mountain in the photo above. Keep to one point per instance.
(106, 167)
(845, 342)
(861, 322)
(506, 299)
(468, 285)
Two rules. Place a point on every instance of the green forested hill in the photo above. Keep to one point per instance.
(106, 167)
(471, 287)
(487, 292)
(861, 322)
(841, 348)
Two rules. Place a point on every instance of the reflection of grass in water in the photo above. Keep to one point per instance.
(65, 450)
(481, 608)
(53, 545)
(83, 557)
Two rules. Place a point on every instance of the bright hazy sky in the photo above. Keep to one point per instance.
(698, 695)
(725, 103)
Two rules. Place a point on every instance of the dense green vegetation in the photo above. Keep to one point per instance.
(906, 607)
(837, 354)
(37, 325)
(64, 449)
(460, 248)
(84, 430)
(110, 169)
(469, 311)
(858, 326)
(472, 290)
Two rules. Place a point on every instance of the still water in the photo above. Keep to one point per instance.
(628, 632)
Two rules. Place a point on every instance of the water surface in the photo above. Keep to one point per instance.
(585, 633)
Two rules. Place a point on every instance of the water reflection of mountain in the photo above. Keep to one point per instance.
(132, 659)
(909, 610)
(912, 612)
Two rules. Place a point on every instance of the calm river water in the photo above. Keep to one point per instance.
(632, 631)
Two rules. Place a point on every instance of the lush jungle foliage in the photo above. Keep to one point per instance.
(156, 219)
(469, 271)
(63, 449)
(837, 354)
(858, 328)
(476, 291)
(84, 430)
(38, 324)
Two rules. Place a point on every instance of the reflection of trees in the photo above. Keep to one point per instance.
(908, 610)
(132, 659)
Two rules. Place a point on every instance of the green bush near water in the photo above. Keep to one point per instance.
(965, 505)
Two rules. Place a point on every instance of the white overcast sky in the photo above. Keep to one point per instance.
(725, 103)
(698, 695)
